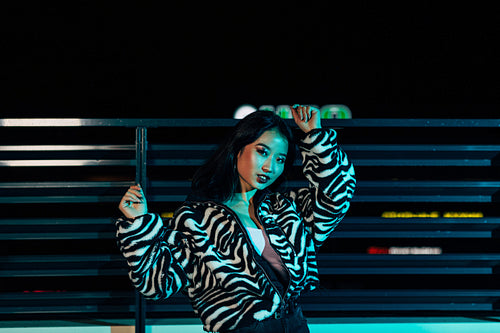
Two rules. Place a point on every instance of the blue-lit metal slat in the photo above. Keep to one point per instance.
(176, 191)
(351, 227)
(57, 228)
(49, 302)
(361, 155)
(215, 122)
(399, 228)
(66, 155)
(384, 264)
(62, 265)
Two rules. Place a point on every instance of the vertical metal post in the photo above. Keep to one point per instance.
(140, 157)
(140, 178)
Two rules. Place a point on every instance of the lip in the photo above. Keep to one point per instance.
(263, 179)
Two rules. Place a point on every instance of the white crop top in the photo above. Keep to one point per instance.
(257, 238)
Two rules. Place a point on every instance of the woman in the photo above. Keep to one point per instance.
(241, 252)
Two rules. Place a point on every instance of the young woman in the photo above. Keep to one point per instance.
(240, 251)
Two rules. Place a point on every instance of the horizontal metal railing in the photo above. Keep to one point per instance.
(59, 200)
(207, 122)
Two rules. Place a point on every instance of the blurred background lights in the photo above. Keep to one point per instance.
(329, 111)
(335, 111)
(267, 108)
(244, 110)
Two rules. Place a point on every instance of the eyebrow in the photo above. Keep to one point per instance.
(267, 147)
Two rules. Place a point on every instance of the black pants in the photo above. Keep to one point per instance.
(291, 322)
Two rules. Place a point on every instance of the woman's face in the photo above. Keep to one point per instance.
(261, 162)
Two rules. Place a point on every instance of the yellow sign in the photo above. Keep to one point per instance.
(410, 215)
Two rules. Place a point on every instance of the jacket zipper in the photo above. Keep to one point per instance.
(283, 303)
(282, 298)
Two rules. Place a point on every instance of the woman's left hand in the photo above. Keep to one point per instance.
(306, 117)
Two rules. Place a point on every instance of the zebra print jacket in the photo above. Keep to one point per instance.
(205, 252)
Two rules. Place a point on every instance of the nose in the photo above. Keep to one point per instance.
(268, 166)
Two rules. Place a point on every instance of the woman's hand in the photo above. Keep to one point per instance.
(306, 117)
(133, 203)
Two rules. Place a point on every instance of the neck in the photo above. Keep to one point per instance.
(245, 197)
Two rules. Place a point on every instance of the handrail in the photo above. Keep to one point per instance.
(225, 122)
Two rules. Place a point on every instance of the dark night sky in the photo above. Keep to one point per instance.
(110, 59)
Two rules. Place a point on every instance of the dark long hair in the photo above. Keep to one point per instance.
(218, 178)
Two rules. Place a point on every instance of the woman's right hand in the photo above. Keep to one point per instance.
(133, 203)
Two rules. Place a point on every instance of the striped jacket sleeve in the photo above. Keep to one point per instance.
(157, 256)
(331, 184)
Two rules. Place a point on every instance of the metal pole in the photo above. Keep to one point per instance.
(140, 178)
(140, 157)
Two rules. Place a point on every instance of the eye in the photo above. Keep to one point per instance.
(281, 160)
(262, 151)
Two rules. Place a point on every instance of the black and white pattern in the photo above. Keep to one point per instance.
(204, 251)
